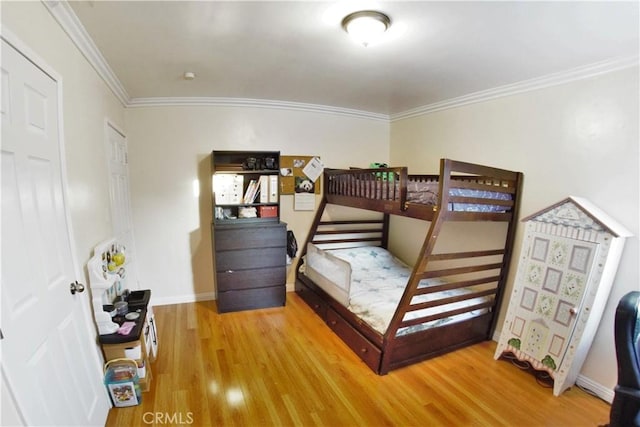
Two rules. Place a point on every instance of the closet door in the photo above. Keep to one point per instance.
(554, 284)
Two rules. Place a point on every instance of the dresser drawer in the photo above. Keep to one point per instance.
(251, 259)
(248, 279)
(250, 237)
(248, 299)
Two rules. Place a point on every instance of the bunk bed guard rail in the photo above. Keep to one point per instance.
(468, 191)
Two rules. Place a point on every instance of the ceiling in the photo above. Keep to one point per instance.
(297, 52)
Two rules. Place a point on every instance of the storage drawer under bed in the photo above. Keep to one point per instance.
(316, 303)
(368, 352)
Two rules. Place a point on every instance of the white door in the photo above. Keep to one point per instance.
(49, 358)
(120, 199)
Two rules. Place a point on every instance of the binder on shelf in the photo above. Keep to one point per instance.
(264, 189)
(222, 185)
(236, 189)
(273, 188)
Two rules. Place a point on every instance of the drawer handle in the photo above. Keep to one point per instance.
(229, 271)
(363, 350)
(316, 306)
(333, 323)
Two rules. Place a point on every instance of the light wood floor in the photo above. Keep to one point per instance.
(283, 366)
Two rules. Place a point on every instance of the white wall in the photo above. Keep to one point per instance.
(579, 139)
(87, 102)
(169, 150)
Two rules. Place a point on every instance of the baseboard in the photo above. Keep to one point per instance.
(181, 299)
(590, 386)
(205, 296)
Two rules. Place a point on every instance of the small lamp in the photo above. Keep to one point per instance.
(366, 26)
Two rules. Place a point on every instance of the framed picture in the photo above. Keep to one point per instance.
(123, 393)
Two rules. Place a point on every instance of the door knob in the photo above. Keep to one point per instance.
(76, 287)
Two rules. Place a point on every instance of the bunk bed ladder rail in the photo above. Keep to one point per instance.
(502, 190)
(486, 267)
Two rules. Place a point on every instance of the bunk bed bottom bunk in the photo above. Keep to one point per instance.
(355, 285)
(379, 355)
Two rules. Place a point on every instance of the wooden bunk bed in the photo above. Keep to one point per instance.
(448, 300)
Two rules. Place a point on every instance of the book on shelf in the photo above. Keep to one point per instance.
(251, 192)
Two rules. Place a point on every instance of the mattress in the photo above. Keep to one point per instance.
(370, 283)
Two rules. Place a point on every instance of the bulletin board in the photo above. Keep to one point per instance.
(290, 169)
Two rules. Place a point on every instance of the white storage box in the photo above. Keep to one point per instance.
(133, 352)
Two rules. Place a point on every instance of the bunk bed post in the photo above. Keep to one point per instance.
(508, 246)
(312, 230)
(385, 231)
(316, 221)
(441, 214)
(404, 179)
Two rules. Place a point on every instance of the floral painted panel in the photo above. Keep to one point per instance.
(555, 276)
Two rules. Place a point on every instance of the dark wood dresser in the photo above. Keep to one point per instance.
(250, 264)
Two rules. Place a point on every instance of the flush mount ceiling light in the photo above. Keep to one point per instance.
(366, 26)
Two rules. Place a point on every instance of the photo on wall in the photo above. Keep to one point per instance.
(304, 185)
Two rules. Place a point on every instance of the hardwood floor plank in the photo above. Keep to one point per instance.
(284, 367)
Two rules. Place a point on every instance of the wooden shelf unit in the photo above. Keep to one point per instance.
(249, 252)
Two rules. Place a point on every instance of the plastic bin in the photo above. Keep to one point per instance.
(122, 382)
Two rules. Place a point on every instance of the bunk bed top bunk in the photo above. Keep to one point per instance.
(444, 301)
(469, 192)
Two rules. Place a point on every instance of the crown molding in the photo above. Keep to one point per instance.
(70, 23)
(579, 73)
(252, 103)
(67, 19)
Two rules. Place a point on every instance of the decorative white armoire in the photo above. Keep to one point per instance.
(569, 257)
